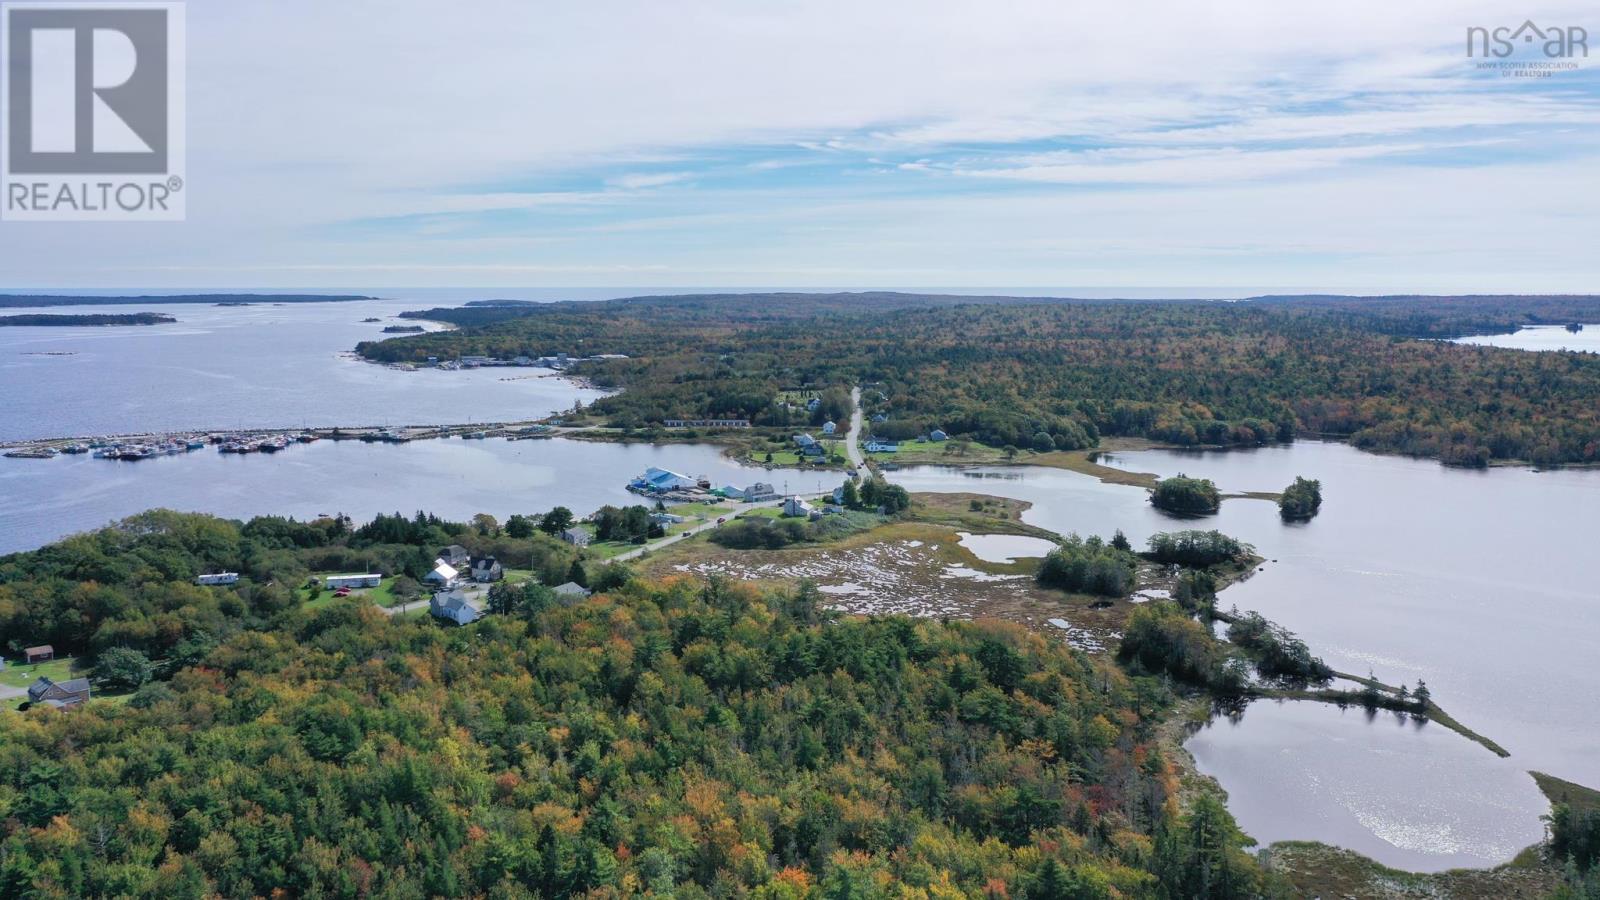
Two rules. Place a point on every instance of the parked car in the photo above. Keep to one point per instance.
(721, 520)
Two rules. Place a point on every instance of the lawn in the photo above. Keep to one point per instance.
(952, 451)
(382, 595)
(17, 675)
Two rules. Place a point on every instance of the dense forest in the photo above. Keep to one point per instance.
(687, 738)
(1012, 371)
(46, 319)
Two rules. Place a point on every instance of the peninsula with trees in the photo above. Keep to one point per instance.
(1012, 371)
(49, 320)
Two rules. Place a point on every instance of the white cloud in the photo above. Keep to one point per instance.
(315, 127)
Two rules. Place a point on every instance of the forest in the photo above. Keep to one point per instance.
(1017, 371)
(693, 738)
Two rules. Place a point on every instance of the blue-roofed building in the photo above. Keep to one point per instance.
(662, 480)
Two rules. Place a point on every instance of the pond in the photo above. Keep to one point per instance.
(1005, 548)
(1483, 583)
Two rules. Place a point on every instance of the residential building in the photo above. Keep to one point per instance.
(218, 578)
(334, 582)
(937, 435)
(59, 694)
(804, 440)
(455, 555)
(829, 428)
(794, 506)
(760, 492)
(443, 575)
(487, 568)
(665, 518)
(455, 606)
(882, 447)
(570, 593)
(39, 654)
(706, 423)
(577, 537)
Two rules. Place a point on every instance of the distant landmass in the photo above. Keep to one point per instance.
(15, 300)
(143, 318)
(404, 329)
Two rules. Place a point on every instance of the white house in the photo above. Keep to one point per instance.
(829, 428)
(804, 440)
(882, 447)
(334, 582)
(454, 606)
(794, 506)
(813, 403)
(218, 578)
(443, 575)
(455, 555)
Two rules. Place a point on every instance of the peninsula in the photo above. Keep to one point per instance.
(46, 319)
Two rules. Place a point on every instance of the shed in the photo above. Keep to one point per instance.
(41, 653)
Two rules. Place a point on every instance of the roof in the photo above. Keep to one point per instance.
(456, 600)
(455, 550)
(446, 570)
(42, 648)
(571, 589)
(485, 562)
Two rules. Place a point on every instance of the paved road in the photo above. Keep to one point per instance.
(852, 440)
(729, 514)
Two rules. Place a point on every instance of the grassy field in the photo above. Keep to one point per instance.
(382, 595)
(18, 675)
(953, 452)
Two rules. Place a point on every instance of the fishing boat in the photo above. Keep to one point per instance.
(75, 448)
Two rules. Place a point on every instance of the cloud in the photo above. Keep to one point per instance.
(836, 140)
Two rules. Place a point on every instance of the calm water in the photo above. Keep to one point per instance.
(258, 366)
(41, 500)
(1417, 797)
(1482, 583)
(1541, 337)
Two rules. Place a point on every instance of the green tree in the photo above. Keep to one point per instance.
(122, 668)
(1301, 500)
(556, 521)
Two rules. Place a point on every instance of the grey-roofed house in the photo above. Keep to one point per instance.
(572, 591)
(487, 568)
(577, 537)
(455, 606)
(455, 555)
(59, 694)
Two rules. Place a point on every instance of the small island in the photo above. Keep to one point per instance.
(404, 329)
(45, 319)
(371, 320)
(1186, 496)
(1301, 500)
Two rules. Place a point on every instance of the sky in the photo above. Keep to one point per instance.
(1204, 145)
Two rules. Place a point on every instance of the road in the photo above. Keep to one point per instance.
(852, 440)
